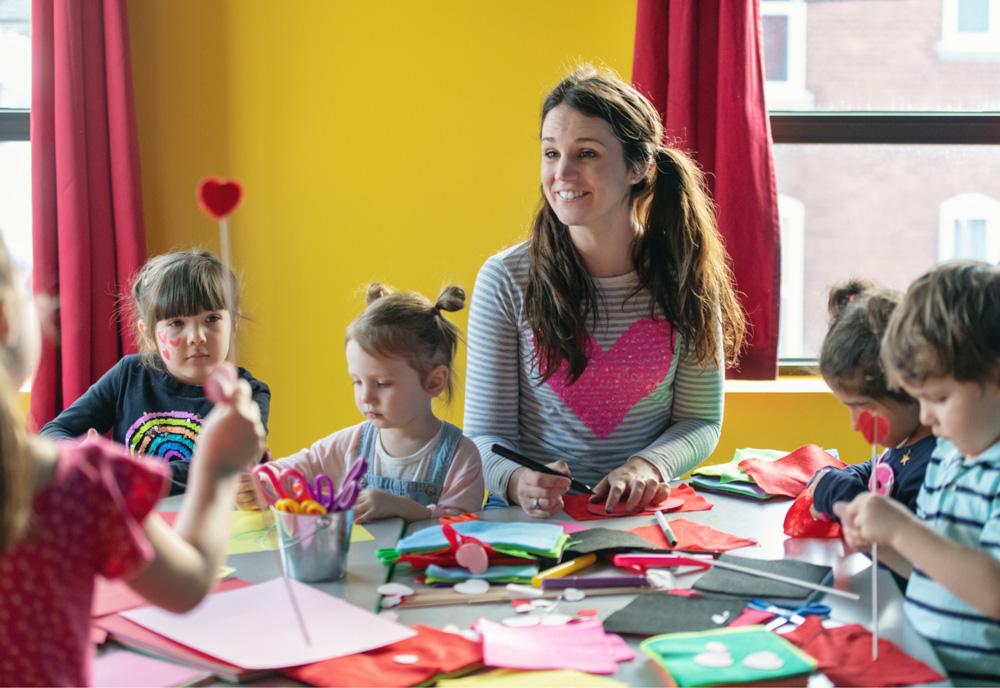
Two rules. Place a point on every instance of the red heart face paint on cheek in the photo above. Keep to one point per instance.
(166, 354)
(162, 335)
(174, 342)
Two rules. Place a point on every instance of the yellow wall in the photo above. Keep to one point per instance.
(389, 141)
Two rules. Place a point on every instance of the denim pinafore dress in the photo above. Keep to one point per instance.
(423, 492)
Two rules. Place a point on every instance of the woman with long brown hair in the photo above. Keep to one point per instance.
(599, 345)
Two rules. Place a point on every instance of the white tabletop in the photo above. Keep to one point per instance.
(739, 516)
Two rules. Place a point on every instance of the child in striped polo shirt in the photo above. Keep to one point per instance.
(942, 345)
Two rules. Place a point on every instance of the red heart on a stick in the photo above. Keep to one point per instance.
(219, 198)
(866, 424)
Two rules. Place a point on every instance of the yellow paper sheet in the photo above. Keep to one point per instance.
(249, 533)
(560, 678)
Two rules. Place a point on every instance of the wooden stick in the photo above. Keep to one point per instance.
(783, 579)
(873, 481)
(445, 598)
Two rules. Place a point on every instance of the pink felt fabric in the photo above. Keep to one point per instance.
(580, 646)
(634, 366)
(693, 536)
(845, 656)
(576, 505)
(789, 475)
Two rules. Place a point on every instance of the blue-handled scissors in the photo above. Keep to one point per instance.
(784, 615)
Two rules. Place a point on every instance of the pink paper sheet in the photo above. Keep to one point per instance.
(124, 668)
(582, 646)
(256, 628)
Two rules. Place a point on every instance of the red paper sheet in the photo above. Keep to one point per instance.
(576, 505)
(694, 536)
(800, 523)
(845, 656)
(437, 652)
(788, 475)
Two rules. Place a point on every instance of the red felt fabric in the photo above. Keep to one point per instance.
(702, 65)
(576, 505)
(845, 656)
(693, 536)
(800, 523)
(789, 475)
(437, 652)
(88, 234)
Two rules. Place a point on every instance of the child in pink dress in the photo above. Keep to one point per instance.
(77, 509)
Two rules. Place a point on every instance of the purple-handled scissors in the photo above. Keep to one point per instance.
(350, 488)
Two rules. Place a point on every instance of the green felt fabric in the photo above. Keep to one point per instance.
(675, 652)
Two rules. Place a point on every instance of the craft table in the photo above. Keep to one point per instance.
(759, 520)
(762, 521)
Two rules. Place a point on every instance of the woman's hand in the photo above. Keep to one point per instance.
(637, 478)
(539, 494)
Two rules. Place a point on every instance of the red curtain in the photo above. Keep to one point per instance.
(702, 64)
(88, 229)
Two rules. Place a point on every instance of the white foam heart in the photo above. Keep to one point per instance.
(516, 590)
(719, 619)
(391, 601)
(392, 616)
(473, 586)
(521, 621)
(714, 660)
(555, 619)
(394, 589)
(573, 595)
(716, 646)
(764, 660)
(405, 659)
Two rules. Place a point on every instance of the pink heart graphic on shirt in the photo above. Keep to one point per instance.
(162, 334)
(616, 380)
(174, 342)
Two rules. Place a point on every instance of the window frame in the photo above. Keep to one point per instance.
(15, 125)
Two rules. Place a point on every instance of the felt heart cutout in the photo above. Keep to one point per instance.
(219, 198)
(472, 556)
(668, 504)
(867, 422)
(616, 380)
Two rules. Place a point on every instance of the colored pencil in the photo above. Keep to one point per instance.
(540, 467)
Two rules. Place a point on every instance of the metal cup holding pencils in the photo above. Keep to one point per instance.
(314, 547)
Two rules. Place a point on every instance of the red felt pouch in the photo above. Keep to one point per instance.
(800, 523)
(845, 656)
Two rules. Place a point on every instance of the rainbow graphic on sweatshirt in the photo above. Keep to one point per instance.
(169, 435)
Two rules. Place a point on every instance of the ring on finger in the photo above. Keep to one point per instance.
(536, 506)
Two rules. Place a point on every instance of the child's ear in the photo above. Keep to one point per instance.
(437, 380)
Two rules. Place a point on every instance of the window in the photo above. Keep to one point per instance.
(785, 54)
(970, 228)
(970, 30)
(15, 149)
(893, 159)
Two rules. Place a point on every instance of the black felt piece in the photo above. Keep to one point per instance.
(655, 613)
(603, 539)
(720, 581)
